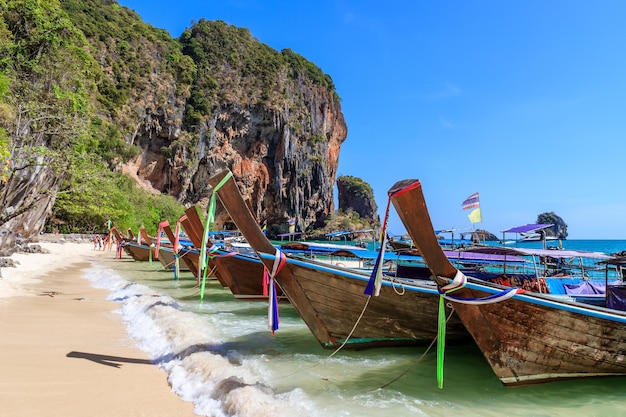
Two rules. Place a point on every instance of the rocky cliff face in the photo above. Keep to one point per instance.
(283, 149)
(28, 197)
(282, 172)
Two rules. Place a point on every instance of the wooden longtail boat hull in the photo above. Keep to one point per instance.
(185, 255)
(140, 252)
(529, 338)
(168, 260)
(241, 274)
(331, 299)
(190, 258)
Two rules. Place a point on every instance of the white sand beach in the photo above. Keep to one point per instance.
(64, 351)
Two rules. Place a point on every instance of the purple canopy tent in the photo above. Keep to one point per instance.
(525, 229)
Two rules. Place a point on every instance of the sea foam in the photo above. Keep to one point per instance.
(201, 367)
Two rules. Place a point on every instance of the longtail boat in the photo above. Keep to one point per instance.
(331, 299)
(243, 274)
(526, 337)
(170, 251)
(143, 249)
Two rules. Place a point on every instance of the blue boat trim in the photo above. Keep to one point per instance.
(586, 310)
(428, 288)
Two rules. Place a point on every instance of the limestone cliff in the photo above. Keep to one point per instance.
(355, 194)
(281, 137)
(558, 228)
(27, 199)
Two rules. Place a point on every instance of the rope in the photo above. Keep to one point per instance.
(369, 297)
(210, 272)
(343, 344)
(336, 350)
(432, 343)
(393, 282)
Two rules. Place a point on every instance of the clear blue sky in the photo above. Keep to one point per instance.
(523, 102)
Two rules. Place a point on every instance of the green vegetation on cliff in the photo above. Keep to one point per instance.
(356, 187)
(234, 67)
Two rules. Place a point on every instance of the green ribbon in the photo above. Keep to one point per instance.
(441, 340)
(441, 325)
(210, 218)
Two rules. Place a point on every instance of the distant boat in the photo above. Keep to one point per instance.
(142, 250)
(526, 337)
(530, 233)
(535, 237)
(401, 244)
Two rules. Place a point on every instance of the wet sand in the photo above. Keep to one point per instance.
(65, 352)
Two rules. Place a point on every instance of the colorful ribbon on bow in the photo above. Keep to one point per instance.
(207, 227)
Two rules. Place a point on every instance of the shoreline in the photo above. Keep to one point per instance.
(65, 351)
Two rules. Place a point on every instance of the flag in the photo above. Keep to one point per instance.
(471, 202)
(475, 216)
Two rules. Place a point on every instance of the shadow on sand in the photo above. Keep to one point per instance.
(108, 360)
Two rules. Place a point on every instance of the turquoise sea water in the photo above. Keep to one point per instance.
(219, 354)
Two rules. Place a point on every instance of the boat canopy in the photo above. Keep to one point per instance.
(414, 255)
(552, 253)
(465, 255)
(527, 228)
(348, 232)
(319, 247)
(351, 253)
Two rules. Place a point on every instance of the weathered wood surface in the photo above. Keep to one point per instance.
(140, 252)
(530, 338)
